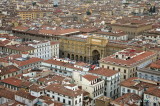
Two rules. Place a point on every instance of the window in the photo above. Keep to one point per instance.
(105, 94)
(79, 99)
(75, 102)
(119, 69)
(63, 100)
(58, 99)
(124, 77)
(111, 93)
(52, 96)
(107, 67)
(69, 102)
(154, 104)
(134, 91)
(113, 68)
(102, 66)
(124, 70)
(123, 89)
(147, 96)
(128, 90)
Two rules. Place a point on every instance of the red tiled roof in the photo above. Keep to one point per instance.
(126, 98)
(58, 32)
(8, 69)
(53, 42)
(64, 91)
(20, 28)
(155, 64)
(20, 47)
(35, 88)
(129, 62)
(104, 72)
(4, 43)
(29, 61)
(60, 63)
(26, 95)
(90, 77)
(15, 81)
(138, 83)
(6, 93)
(154, 91)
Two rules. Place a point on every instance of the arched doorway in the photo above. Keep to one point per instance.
(68, 56)
(72, 57)
(96, 56)
(84, 59)
(81, 58)
(76, 57)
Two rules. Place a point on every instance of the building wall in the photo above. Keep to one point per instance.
(148, 76)
(130, 90)
(26, 101)
(55, 50)
(4, 100)
(42, 50)
(131, 30)
(9, 75)
(66, 98)
(111, 85)
(150, 100)
(83, 50)
(128, 71)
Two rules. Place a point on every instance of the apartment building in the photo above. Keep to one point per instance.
(150, 72)
(111, 81)
(136, 85)
(42, 49)
(128, 61)
(68, 94)
(65, 67)
(151, 96)
(92, 84)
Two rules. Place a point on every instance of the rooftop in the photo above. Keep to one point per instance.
(63, 90)
(128, 57)
(138, 83)
(90, 77)
(104, 72)
(127, 99)
(154, 91)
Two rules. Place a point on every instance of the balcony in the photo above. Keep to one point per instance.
(95, 82)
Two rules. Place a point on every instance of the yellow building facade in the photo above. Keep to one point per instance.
(90, 49)
(32, 14)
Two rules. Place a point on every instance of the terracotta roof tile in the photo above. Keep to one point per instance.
(104, 72)
(126, 98)
(90, 77)
(6, 93)
(129, 62)
(138, 83)
(16, 82)
(63, 90)
(25, 94)
(154, 91)
(8, 69)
